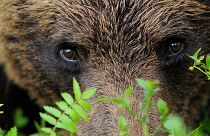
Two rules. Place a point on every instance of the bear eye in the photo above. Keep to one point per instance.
(173, 46)
(171, 50)
(68, 52)
(176, 47)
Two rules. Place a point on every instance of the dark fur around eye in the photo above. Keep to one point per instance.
(164, 53)
(69, 66)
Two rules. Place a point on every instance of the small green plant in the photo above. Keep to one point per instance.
(19, 119)
(11, 132)
(199, 63)
(69, 112)
(171, 124)
(202, 63)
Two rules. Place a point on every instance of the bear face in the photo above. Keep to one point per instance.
(106, 44)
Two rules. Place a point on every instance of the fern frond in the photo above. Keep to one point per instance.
(48, 118)
(62, 105)
(85, 105)
(67, 98)
(80, 112)
(76, 89)
(69, 112)
(88, 93)
(73, 114)
(53, 111)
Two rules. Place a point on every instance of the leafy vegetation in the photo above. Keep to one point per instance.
(19, 119)
(171, 124)
(70, 111)
(201, 63)
(11, 132)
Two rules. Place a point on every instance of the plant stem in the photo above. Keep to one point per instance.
(200, 69)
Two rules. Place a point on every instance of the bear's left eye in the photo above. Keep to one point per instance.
(171, 49)
(68, 52)
(176, 47)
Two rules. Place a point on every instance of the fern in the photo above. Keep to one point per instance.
(69, 112)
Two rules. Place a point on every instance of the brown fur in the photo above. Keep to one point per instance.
(119, 38)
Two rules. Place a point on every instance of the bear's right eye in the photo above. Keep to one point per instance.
(68, 52)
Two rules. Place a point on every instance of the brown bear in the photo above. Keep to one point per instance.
(106, 44)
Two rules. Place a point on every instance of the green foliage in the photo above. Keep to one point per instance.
(162, 107)
(12, 132)
(201, 63)
(19, 119)
(175, 126)
(124, 102)
(69, 112)
(39, 129)
(2, 132)
(123, 126)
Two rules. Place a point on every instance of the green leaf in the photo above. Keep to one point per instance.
(76, 88)
(37, 126)
(62, 105)
(128, 92)
(53, 134)
(175, 126)
(12, 132)
(208, 61)
(20, 120)
(196, 54)
(162, 107)
(192, 57)
(64, 119)
(122, 124)
(46, 130)
(85, 105)
(105, 99)
(122, 102)
(68, 98)
(73, 114)
(53, 111)
(201, 58)
(68, 123)
(61, 126)
(2, 132)
(148, 86)
(51, 120)
(88, 93)
(80, 112)
(71, 127)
